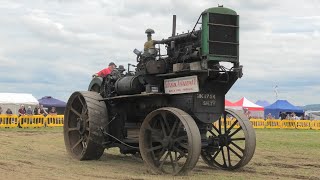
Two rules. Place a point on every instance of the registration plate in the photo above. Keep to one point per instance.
(206, 99)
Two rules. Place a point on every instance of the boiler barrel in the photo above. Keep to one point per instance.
(128, 85)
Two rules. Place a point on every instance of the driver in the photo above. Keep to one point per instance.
(106, 71)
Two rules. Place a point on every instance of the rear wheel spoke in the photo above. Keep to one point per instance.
(77, 143)
(75, 112)
(73, 129)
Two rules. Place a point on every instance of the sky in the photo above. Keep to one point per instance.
(51, 48)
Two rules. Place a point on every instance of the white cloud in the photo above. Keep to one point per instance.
(55, 46)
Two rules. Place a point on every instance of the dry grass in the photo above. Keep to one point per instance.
(40, 154)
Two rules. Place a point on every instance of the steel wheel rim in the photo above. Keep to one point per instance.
(76, 127)
(166, 141)
(236, 144)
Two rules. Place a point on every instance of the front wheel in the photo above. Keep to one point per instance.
(170, 141)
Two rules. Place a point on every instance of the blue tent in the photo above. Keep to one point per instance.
(49, 102)
(282, 106)
(262, 103)
(52, 102)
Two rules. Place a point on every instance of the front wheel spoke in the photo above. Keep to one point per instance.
(233, 124)
(163, 128)
(164, 159)
(238, 147)
(75, 112)
(238, 139)
(179, 128)
(172, 162)
(173, 128)
(154, 148)
(214, 135)
(235, 132)
(159, 155)
(183, 154)
(220, 126)
(77, 143)
(215, 155)
(229, 159)
(225, 121)
(234, 152)
(153, 131)
(185, 137)
(223, 157)
(215, 128)
(185, 146)
(165, 120)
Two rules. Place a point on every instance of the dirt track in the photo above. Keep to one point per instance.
(40, 154)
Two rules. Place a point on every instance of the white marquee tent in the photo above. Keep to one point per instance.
(14, 100)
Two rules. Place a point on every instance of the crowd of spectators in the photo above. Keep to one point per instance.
(38, 110)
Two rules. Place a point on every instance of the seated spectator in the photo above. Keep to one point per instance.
(36, 110)
(269, 116)
(22, 111)
(8, 111)
(43, 111)
(29, 111)
(53, 111)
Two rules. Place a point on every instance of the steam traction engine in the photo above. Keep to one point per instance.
(171, 109)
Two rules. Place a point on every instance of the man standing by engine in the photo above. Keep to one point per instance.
(106, 71)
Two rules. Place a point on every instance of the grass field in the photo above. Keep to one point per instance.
(40, 154)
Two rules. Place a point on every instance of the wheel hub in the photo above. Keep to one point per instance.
(167, 143)
(224, 139)
(81, 126)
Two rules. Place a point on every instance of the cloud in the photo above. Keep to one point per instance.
(53, 47)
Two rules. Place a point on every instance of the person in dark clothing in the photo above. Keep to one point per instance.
(43, 111)
(36, 110)
(283, 115)
(8, 111)
(53, 111)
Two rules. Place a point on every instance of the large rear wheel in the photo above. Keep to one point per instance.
(231, 142)
(170, 141)
(85, 117)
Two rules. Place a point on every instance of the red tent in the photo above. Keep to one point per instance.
(245, 103)
(228, 103)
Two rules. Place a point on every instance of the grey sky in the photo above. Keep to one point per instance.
(53, 47)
